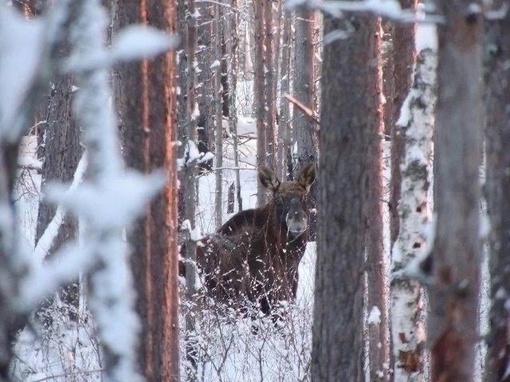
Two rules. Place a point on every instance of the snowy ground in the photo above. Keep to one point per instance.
(230, 351)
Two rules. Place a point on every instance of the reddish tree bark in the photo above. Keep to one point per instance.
(379, 351)
(148, 104)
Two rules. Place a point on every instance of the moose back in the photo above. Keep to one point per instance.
(254, 257)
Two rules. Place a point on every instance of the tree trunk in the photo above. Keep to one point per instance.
(453, 319)
(218, 196)
(337, 346)
(205, 75)
(62, 152)
(260, 95)
(404, 58)
(232, 46)
(303, 147)
(270, 96)
(398, 79)
(408, 332)
(305, 151)
(376, 265)
(498, 202)
(148, 102)
(189, 185)
(284, 120)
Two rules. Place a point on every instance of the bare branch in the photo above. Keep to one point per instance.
(305, 110)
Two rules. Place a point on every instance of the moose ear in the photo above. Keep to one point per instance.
(268, 178)
(307, 176)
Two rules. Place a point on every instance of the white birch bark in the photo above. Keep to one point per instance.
(416, 122)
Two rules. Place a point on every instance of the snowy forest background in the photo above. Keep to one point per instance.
(128, 129)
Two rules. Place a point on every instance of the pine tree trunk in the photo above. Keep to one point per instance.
(376, 264)
(337, 345)
(190, 190)
(498, 202)
(148, 99)
(62, 152)
(284, 120)
(453, 318)
(303, 146)
(231, 34)
(303, 89)
(218, 196)
(260, 93)
(205, 55)
(270, 96)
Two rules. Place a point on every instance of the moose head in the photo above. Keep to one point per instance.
(289, 198)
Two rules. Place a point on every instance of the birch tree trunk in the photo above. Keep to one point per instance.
(416, 124)
(404, 59)
(498, 201)
(453, 318)
(398, 80)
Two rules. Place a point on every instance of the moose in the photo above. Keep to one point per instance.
(254, 257)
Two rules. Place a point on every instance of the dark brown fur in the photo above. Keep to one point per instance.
(253, 257)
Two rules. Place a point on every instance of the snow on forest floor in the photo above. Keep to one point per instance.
(62, 351)
(229, 350)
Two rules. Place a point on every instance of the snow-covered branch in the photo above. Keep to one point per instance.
(46, 240)
(26, 53)
(192, 156)
(21, 44)
(133, 43)
(29, 46)
(389, 9)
